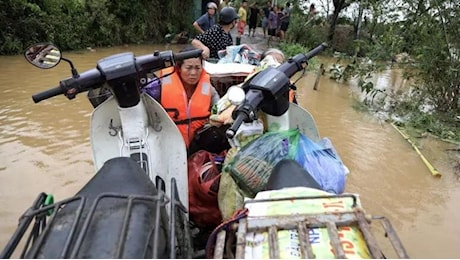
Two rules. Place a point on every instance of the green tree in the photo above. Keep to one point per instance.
(20, 26)
(426, 33)
(339, 5)
(74, 24)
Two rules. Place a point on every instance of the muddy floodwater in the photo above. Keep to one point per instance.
(45, 148)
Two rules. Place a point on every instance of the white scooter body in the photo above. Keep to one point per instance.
(144, 129)
(295, 118)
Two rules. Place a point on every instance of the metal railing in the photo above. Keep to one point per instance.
(302, 223)
(80, 220)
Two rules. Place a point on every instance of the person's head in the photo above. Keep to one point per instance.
(190, 70)
(288, 4)
(275, 8)
(212, 8)
(244, 3)
(269, 3)
(275, 53)
(228, 16)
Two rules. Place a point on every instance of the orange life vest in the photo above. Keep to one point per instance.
(189, 115)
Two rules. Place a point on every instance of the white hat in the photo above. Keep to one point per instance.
(212, 5)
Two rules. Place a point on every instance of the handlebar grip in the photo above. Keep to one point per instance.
(230, 133)
(316, 50)
(187, 55)
(47, 94)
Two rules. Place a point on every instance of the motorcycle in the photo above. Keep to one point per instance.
(136, 204)
(140, 162)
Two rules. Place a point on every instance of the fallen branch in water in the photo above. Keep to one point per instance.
(433, 171)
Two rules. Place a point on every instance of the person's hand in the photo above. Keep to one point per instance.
(215, 122)
(206, 53)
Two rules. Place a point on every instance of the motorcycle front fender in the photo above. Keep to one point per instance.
(155, 142)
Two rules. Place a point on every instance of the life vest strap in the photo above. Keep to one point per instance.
(189, 120)
(174, 110)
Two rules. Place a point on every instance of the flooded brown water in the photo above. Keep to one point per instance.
(45, 147)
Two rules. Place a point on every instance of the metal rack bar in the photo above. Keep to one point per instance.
(304, 240)
(39, 223)
(160, 199)
(335, 240)
(124, 230)
(241, 238)
(332, 221)
(290, 221)
(220, 245)
(274, 250)
(391, 234)
(55, 207)
(366, 231)
(351, 196)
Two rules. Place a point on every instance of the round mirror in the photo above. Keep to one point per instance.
(236, 95)
(43, 55)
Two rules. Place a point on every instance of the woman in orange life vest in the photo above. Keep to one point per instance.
(186, 94)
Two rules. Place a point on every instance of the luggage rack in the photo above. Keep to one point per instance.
(45, 215)
(303, 222)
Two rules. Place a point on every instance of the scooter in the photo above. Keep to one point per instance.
(140, 158)
(136, 205)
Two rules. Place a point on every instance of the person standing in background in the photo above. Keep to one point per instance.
(223, 4)
(217, 37)
(272, 23)
(285, 20)
(266, 12)
(253, 18)
(207, 20)
(280, 15)
(242, 13)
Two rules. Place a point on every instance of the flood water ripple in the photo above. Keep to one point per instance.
(46, 147)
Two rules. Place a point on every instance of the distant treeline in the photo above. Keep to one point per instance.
(75, 24)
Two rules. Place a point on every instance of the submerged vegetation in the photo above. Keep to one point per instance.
(419, 37)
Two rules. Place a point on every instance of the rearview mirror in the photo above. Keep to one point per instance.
(43, 55)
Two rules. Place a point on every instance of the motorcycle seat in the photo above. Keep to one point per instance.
(287, 173)
(119, 175)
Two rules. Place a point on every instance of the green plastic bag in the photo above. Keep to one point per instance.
(253, 164)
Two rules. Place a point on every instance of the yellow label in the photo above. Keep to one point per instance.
(352, 240)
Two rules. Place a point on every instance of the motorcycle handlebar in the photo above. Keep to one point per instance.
(47, 94)
(180, 56)
(255, 98)
(297, 63)
(240, 118)
(316, 51)
(94, 77)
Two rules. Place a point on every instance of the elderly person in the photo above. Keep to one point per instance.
(222, 112)
(207, 20)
